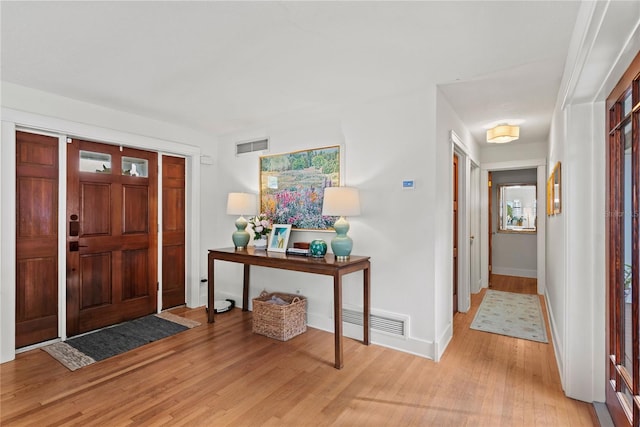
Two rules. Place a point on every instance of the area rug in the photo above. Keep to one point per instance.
(511, 314)
(89, 348)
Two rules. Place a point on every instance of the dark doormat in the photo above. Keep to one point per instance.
(84, 350)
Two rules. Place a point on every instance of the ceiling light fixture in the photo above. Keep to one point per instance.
(503, 133)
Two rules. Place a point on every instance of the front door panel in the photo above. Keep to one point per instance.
(111, 235)
(36, 238)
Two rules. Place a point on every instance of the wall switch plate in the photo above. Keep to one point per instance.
(408, 184)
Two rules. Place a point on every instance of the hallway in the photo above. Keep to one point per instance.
(223, 374)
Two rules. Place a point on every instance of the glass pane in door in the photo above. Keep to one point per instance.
(625, 294)
(91, 161)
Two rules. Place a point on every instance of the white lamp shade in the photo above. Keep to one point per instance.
(503, 133)
(341, 201)
(241, 204)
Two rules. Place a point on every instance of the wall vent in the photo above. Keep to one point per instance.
(386, 324)
(251, 146)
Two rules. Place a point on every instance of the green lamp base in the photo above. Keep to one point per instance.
(342, 244)
(241, 237)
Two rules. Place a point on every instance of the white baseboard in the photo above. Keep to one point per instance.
(518, 272)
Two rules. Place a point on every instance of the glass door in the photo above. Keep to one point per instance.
(623, 152)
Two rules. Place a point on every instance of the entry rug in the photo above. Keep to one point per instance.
(511, 314)
(86, 349)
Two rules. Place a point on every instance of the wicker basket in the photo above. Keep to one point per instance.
(281, 322)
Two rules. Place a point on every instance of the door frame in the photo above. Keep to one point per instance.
(541, 166)
(465, 218)
(13, 120)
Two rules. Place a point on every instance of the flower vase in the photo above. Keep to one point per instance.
(261, 243)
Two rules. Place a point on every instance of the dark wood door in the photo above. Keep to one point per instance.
(455, 233)
(36, 238)
(111, 235)
(623, 252)
(173, 231)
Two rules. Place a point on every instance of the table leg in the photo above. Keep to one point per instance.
(337, 316)
(210, 296)
(367, 305)
(245, 288)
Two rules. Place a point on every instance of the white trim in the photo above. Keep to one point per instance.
(518, 272)
(7, 244)
(159, 233)
(62, 237)
(13, 119)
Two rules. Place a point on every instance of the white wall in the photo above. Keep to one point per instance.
(384, 142)
(406, 233)
(606, 39)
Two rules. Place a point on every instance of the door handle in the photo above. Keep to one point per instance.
(75, 246)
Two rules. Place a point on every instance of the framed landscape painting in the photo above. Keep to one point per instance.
(292, 186)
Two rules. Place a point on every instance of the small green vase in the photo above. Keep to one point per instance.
(318, 248)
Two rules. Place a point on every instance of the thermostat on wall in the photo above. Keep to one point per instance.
(408, 184)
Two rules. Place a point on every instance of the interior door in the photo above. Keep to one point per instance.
(623, 253)
(111, 235)
(36, 238)
(455, 232)
(173, 231)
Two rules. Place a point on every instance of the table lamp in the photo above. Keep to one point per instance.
(341, 201)
(241, 204)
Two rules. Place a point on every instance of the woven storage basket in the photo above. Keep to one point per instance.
(281, 322)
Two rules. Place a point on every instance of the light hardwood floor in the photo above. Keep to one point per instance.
(222, 374)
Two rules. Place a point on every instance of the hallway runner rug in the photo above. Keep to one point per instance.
(95, 346)
(511, 314)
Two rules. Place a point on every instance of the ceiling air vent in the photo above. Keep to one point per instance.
(251, 146)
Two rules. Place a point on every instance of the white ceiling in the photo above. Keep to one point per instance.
(222, 66)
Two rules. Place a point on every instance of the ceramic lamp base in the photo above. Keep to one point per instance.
(241, 237)
(342, 244)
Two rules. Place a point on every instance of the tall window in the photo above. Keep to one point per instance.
(623, 193)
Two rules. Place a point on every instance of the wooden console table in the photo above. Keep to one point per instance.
(327, 266)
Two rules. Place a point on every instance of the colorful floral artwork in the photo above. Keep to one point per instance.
(292, 186)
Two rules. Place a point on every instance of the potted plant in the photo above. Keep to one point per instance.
(261, 227)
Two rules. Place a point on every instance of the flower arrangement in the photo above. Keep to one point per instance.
(260, 225)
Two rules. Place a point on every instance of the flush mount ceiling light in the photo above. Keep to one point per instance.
(503, 133)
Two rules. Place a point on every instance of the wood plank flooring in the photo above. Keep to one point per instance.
(223, 374)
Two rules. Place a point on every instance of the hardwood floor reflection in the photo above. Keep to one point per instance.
(223, 374)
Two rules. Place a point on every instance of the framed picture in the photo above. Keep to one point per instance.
(279, 237)
(550, 195)
(557, 189)
(292, 186)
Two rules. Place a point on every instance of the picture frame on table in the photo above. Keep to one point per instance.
(279, 237)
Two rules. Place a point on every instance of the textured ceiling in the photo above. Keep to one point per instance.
(222, 66)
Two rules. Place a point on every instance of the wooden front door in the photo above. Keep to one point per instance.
(173, 231)
(455, 233)
(111, 235)
(623, 251)
(36, 238)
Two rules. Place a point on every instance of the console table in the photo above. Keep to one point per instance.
(327, 266)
